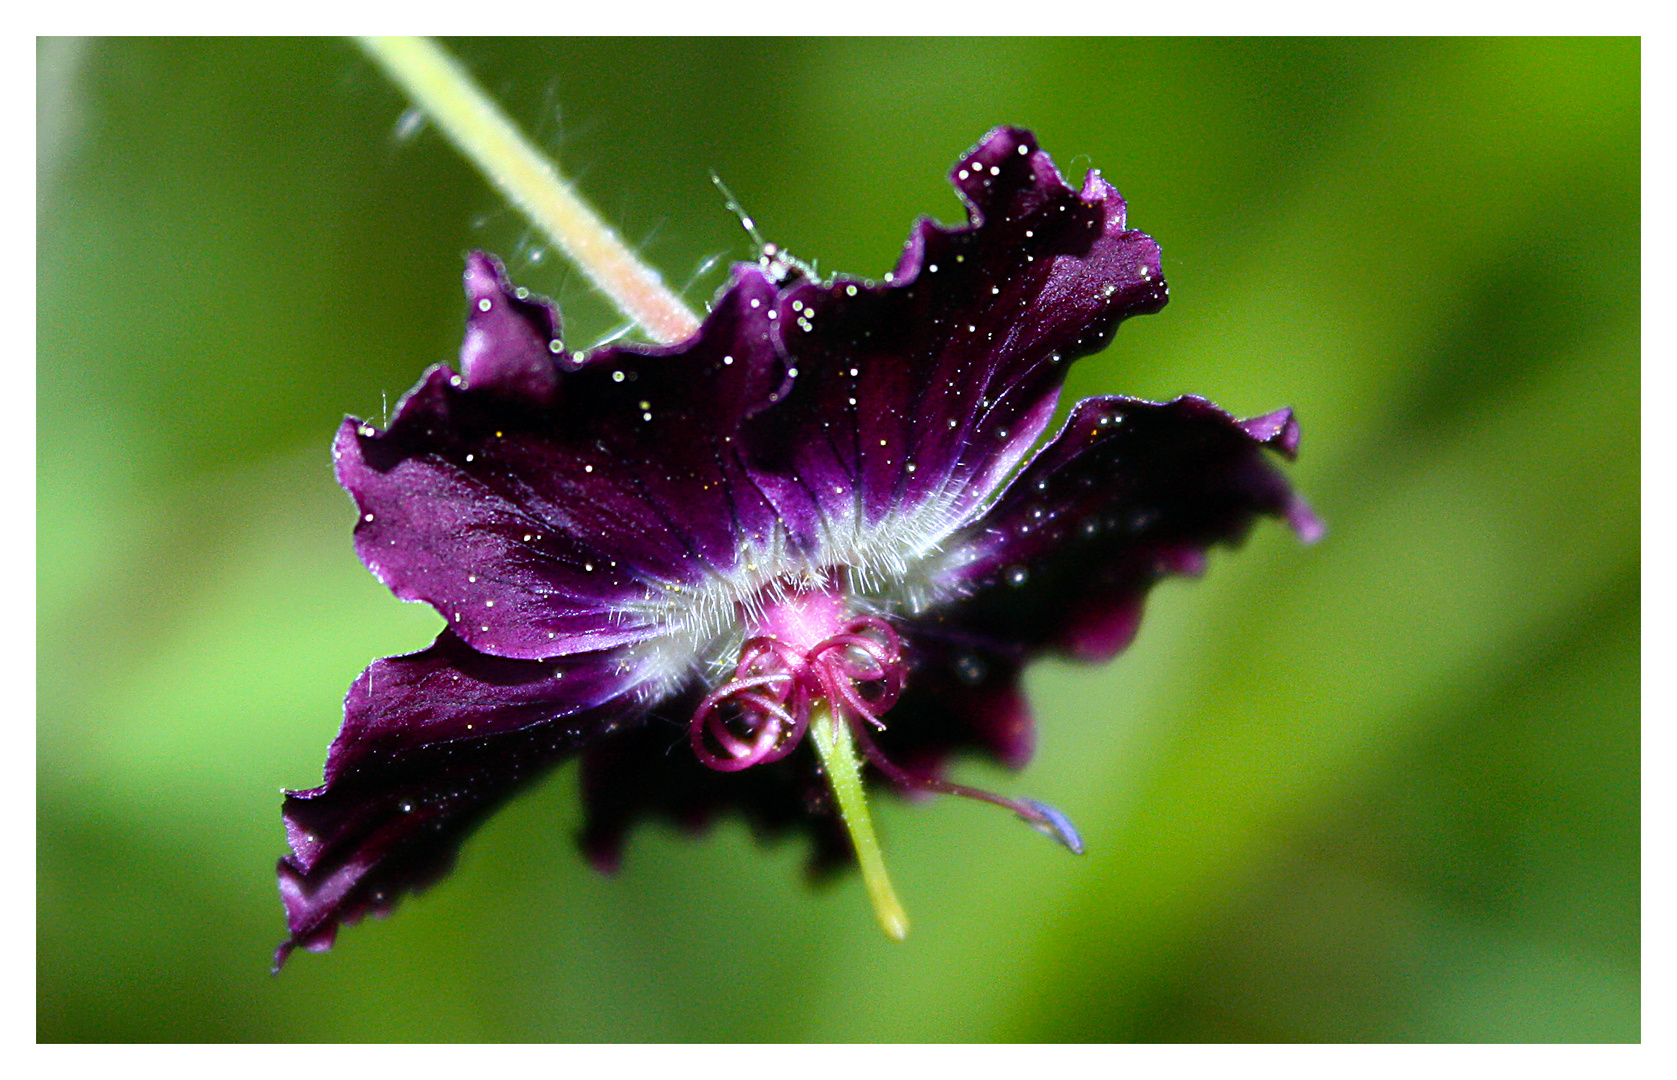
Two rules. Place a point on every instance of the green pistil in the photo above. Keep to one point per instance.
(831, 736)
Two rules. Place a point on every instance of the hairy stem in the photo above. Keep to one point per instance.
(480, 131)
(833, 743)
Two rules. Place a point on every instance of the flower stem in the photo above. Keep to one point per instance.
(833, 743)
(479, 130)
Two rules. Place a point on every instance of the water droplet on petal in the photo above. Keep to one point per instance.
(969, 669)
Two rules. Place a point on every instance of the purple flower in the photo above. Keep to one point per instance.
(677, 562)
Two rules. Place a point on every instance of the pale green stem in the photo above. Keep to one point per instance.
(479, 130)
(833, 743)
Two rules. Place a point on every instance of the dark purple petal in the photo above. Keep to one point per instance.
(925, 392)
(431, 743)
(570, 507)
(1128, 492)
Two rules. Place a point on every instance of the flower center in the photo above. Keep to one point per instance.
(810, 651)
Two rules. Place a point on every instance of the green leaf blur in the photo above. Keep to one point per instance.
(1385, 788)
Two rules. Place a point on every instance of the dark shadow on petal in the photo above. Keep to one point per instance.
(649, 772)
(959, 701)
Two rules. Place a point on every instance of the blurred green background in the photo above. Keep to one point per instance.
(1382, 788)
